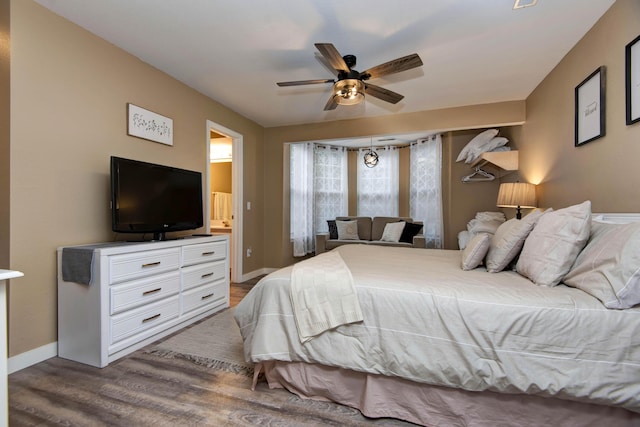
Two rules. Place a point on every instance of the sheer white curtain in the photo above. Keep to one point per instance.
(301, 197)
(331, 190)
(378, 186)
(318, 192)
(425, 199)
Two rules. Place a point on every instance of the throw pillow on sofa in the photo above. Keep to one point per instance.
(392, 231)
(409, 232)
(333, 229)
(347, 230)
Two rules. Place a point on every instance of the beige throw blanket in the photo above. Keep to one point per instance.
(323, 295)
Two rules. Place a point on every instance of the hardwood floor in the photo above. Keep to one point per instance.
(144, 389)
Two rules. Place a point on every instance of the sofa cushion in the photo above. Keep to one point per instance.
(364, 225)
(379, 223)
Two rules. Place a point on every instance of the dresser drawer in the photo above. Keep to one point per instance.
(126, 296)
(200, 274)
(207, 295)
(140, 319)
(204, 252)
(141, 264)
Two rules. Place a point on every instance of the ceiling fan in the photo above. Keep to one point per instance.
(351, 85)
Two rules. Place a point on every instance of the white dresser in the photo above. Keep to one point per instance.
(139, 292)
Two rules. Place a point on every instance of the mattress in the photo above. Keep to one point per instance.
(428, 321)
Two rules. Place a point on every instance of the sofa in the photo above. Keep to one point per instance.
(370, 231)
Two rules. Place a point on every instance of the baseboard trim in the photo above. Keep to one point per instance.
(256, 273)
(31, 357)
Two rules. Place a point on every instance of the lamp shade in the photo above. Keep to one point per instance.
(516, 195)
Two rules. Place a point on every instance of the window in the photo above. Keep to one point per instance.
(425, 199)
(318, 191)
(378, 186)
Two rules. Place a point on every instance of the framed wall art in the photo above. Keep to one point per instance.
(148, 125)
(632, 80)
(590, 108)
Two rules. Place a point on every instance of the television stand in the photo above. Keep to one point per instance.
(138, 293)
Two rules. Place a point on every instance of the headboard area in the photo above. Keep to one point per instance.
(618, 218)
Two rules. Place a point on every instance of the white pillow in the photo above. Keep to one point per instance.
(491, 145)
(392, 231)
(478, 141)
(347, 230)
(608, 268)
(508, 239)
(475, 251)
(553, 245)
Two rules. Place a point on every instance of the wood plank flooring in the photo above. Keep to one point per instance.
(146, 390)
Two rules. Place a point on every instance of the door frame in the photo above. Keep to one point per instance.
(236, 193)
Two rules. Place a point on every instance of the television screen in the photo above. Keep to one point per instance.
(151, 198)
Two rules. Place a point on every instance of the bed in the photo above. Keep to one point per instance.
(434, 344)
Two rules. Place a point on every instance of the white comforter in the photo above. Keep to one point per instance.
(427, 320)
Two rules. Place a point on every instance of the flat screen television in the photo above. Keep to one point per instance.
(151, 198)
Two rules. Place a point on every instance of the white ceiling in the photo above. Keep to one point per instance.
(474, 51)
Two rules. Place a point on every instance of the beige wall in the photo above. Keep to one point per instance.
(68, 116)
(605, 170)
(4, 132)
(276, 217)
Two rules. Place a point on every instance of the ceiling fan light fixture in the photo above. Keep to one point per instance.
(348, 92)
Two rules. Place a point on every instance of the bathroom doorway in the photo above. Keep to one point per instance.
(224, 195)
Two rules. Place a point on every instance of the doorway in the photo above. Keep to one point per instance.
(224, 190)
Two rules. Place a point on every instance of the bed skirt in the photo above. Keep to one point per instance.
(378, 396)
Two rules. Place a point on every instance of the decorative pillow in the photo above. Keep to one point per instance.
(392, 231)
(554, 243)
(347, 230)
(475, 251)
(410, 231)
(477, 142)
(491, 145)
(609, 266)
(333, 229)
(508, 240)
(477, 226)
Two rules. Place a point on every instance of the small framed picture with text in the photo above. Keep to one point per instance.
(590, 108)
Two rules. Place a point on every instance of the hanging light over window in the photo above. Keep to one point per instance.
(348, 92)
(371, 157)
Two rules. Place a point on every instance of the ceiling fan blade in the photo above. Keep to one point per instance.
(332, 55)
(382, 93)
(400, 64)
(331, 104)
(305, 82)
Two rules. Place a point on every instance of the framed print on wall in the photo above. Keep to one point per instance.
(590, 108)
(146, 124)
(632, 80)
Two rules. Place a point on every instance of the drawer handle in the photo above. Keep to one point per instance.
(206, 275)
(151, 264)
(208, 253)
(148, 319)
(153, 291)
(207, 296)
